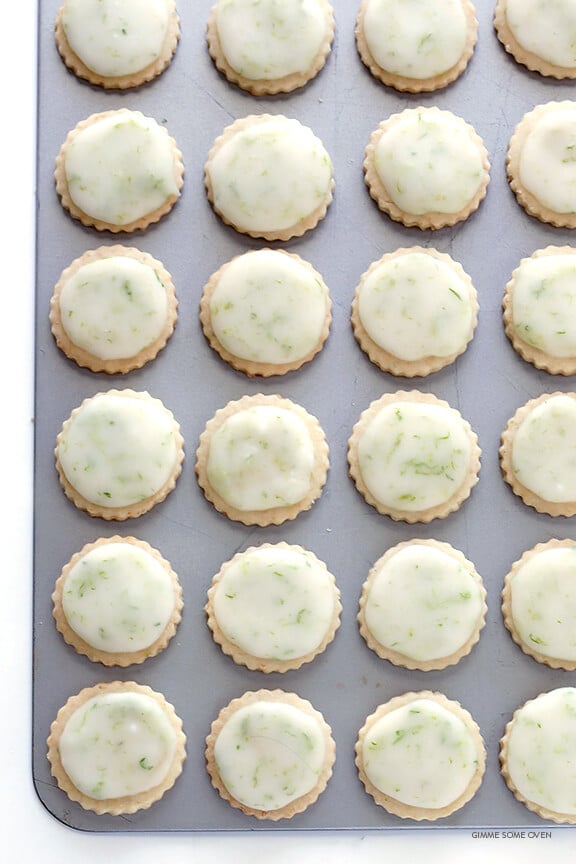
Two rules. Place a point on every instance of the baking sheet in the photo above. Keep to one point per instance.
(487, 384)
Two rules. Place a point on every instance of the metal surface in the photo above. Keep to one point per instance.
(487, 384)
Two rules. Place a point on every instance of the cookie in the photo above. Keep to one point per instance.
(539, 36)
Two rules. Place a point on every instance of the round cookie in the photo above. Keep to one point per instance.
(275, 46)
(119, 454)
(119, 171)
(116, 748)
(538, 309)
(539, 603)
(117, 601)
(421, 756)
(414, 311)
(538, 455)
(266, 312)
(117, 45)
(273, 607)
(422, 606)
(426, 167)
(541, 163)
(270, 754)
(113, 309)
(413, 457)
(269, 176)
(262, 460)
(538, 752)
(414, 46)
(539, 35)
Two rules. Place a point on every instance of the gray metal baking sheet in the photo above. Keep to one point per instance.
(487, 384)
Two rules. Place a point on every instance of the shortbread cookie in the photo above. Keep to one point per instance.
(541, 163)
(426, 167)
(266, 312)
(537, 453)
(117, 45)
(538, 753)
(119, 454)
(413, 457)
(414, 46)
(116, 748)
(270, 754)
(274, 46)
(414, 311)
(539, 603)
(422, 606)
(539, 35)
(539, 305)
(269, 176)
(119, 171)
(273, 607)
(421, 756)
(113, 309)
(262, 460)
(117, 601)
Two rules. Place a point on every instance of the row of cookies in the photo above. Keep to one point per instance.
(273, 47)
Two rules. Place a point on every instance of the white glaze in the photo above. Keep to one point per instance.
(261, 457)
(270, 175)
(118, 450)
(420, 754)
(423, 603)
(544, 450)
(120, 168)
(118, 598)
(547, 162)
(275, 603)
(113, 307)
(544, 302)
(416, 306)
(117, 744)
(547, 29)
(543, 602)
(268, 307)
(269, 753)
(414, 455)
(415, 38)
(271, 38)
(115, 37)
(429, 162)
(542, 750)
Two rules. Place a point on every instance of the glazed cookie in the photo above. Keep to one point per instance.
(269, 176)
(538, 752)
(117, 601)
(538, 309)
(414, 46)
(119, 454)
(414, 311)
(113, 309)
(266, 312)
(273, 607)
(117, 45)
(119, 171)
(541, 163)
(274, 46)
(426, 167)
(270, 754)
(421, 756)
(539, 603)
(538, 456)
(413, 457)
(539, 35)
(116, 748)
(422, 606)
(262, 460)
